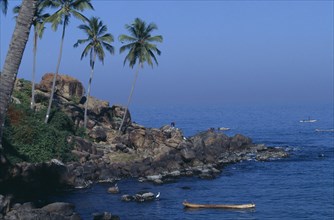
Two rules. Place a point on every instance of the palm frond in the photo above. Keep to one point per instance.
(86, 29)
(153, 56)
(126, 47)
(107, 38)
(86, 51)
(4, 6)
(80, 16)
(100, 53)
(157, 38)
(16, 9)
(103, 29)
(81, 5)
(55, 19)
(81, 41)
(125, 38)
(109, 47)
(150, 28)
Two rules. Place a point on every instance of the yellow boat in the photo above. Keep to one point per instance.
(218, 206)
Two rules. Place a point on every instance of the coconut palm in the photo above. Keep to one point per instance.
(38, 20)
(66, 8)
(4, 6)
(14, 57)
(97, 40)
(141, 47)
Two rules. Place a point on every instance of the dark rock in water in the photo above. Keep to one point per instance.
(271, 153)
(53, 211)
(239, 140)
(140, 197)
(105, 216)
(113, 189)
(127, 198)
(60, 208)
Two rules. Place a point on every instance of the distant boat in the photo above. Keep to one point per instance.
(224, 129)
(324, 130)
(218, 206)
(309, 120)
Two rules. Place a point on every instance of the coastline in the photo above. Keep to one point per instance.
(158, 155)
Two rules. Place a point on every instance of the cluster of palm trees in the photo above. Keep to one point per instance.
(140, 44)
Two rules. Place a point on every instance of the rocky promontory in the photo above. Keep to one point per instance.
(150, 154)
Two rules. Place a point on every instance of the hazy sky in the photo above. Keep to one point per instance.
(214, 52)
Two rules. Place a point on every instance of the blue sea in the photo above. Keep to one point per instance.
(298, 187)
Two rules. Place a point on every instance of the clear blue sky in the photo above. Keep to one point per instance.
(214, 52)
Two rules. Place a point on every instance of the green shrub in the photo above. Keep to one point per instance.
(28, 138)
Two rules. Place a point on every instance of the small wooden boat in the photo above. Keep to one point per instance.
(224, 129)
(218, 206)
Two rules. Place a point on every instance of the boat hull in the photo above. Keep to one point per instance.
(219, 206)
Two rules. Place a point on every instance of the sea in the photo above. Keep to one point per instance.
(298, 187)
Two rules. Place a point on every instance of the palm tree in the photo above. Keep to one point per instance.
(97, 40)
(14, 57)
(141, 49)
(38, 20)
(66, 8)
(4, 6)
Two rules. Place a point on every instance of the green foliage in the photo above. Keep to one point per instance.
(28, 138)
(23, 93)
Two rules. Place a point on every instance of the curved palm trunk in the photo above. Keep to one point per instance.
(55, 75)
(88, 90)
(14, 57)
(32, 103)
(130, 97)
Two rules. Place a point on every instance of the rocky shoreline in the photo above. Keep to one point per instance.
(158, 155)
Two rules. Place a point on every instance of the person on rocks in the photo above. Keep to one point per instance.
(172, 124)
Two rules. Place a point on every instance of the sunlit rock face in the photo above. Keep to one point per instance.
(66, 86)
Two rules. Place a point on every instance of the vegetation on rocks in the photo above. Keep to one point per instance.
(28, 138)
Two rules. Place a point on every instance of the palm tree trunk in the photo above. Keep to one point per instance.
(56, 74)
(14, 57)
(130, 97)
(32, 103)
(88, 90)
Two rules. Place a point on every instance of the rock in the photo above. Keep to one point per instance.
(60, 208)
(187, 154)
(5, 202)
(239, 140)
(54, 211)
(154, 177)
(113, 189)
(66, 86)
(97, 106)
(271, 153)
(144, 197)
(127, 198)
(98, 134)
(82, 145)
(117, 116)
(105, 216)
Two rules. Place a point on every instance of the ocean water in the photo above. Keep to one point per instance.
(298, 187)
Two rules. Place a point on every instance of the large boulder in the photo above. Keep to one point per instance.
(53, 211)
(96, 106)
(66, 86)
